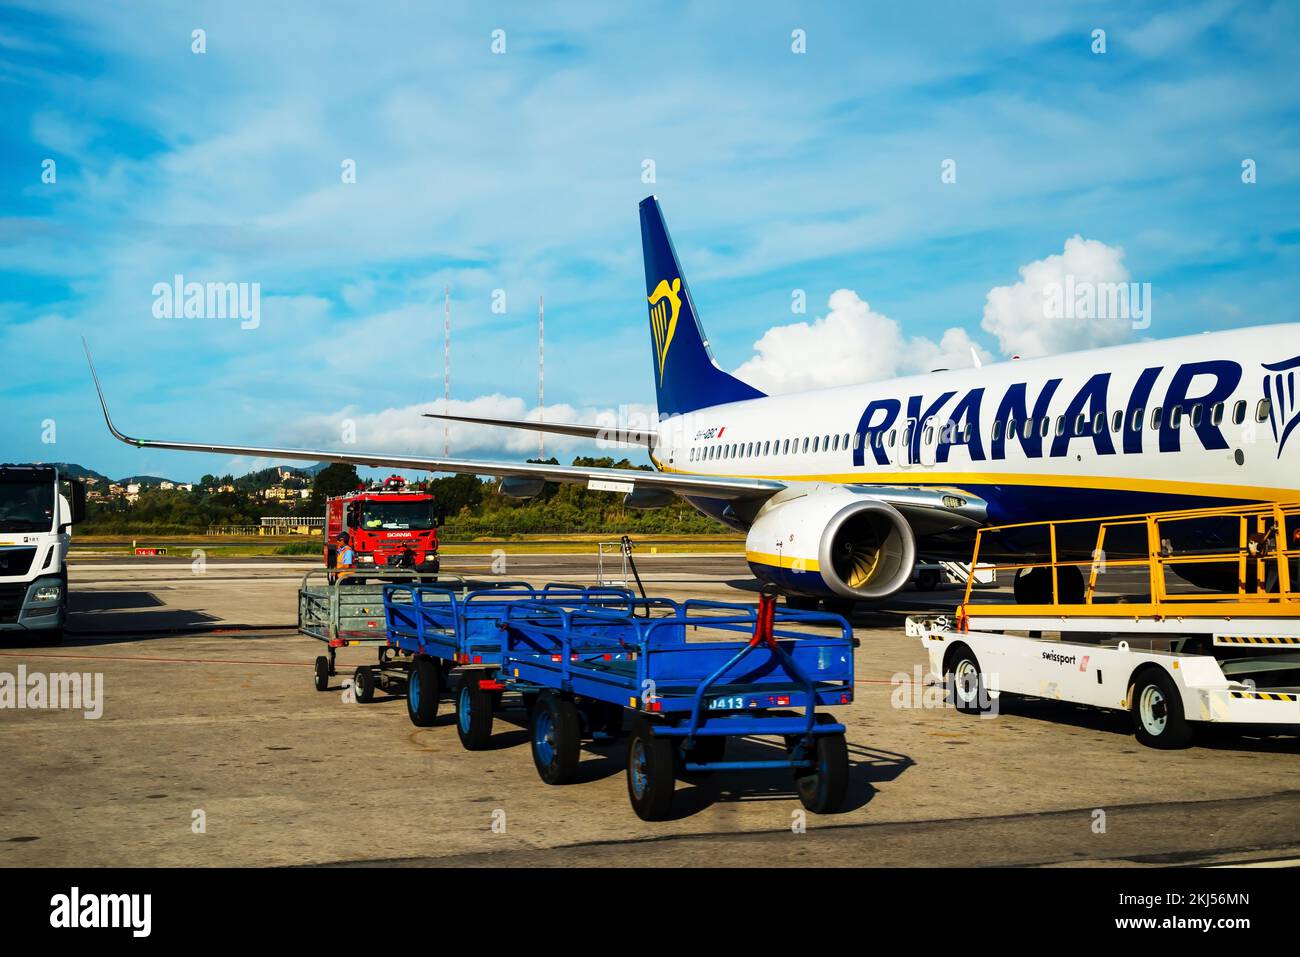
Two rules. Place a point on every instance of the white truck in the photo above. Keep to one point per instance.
(1104, 613)
(37, 512)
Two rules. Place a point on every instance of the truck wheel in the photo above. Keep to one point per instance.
(650, 774)
(422, 690)
(554, 730)
(965, 681)
(529, 701)
(1157, 707)
(823, 786)
(927, 579)
(473, 715)
(322, 673)
(363, 684)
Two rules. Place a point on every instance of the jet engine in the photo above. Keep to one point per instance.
(827, 540)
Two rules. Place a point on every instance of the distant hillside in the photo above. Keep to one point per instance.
(144, 480)
(72, 470)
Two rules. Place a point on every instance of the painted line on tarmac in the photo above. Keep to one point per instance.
(176, 661)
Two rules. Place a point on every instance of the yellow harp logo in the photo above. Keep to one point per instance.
(663, 318)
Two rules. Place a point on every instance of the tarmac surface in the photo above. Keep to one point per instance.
(213, 748)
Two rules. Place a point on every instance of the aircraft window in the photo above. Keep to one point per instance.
(1198, 413)
(997, 429)
(786, 447)
(965, 433)
(857, 440)
(1135, 423)
(1044, 426)
(877, 439)
(815, 441)
(826, 443)
(1117, 421)
(929, 434)
(805, 443)
(767, 448)
(1239, 412)
(1060, 425)
(846, 442)
(1157, 416)
(1176, 417)
(1099, 423)
(749, 450)
(893, 437)
(907, 435)
(1011, 428)
(736, 450)
(1216, 414)
(1080, 422)
(1262, 410)
(835, 445)
(1028, 429)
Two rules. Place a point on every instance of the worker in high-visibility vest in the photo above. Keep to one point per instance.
(343, 557)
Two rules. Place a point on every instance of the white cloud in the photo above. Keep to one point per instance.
(851, 343)
(1015, 313)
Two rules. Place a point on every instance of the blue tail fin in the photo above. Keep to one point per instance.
(686, 377)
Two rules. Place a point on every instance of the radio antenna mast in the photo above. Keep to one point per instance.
(541, 374)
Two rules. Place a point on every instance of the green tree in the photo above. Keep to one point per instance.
(337, 479)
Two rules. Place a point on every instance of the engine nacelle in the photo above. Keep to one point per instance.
(829, 540)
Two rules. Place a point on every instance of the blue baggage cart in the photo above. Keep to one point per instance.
(448, 639)
(681, 685)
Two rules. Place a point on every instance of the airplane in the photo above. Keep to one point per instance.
(839, 490)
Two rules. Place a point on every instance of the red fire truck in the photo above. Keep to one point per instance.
(388, 527)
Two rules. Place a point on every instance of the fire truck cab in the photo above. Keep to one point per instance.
(388, 527)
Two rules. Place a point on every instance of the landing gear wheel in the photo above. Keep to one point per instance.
(840, 606)
(423, 688)
(823, 786)
(965, 679)
(1033, 586)
(650, 775)
(473, 715)
(554, 731)
(1158, 719)
(322, 673)
(363, 684)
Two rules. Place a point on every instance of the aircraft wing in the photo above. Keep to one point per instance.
(722, 487)
(926, 509)
(618, 435)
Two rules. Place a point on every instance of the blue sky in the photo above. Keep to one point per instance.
(521, 171)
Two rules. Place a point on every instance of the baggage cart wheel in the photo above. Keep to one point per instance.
(650, 774)
(554, 730)
(966, 681)
(1157, 708)
(322, 673)
(423, 687)
(823, 786)
(473, 715)
(363, 684)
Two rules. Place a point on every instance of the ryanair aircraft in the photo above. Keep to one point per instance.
(838, 490)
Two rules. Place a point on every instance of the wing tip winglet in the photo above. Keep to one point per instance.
(103, 403)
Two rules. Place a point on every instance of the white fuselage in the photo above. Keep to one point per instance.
(1118, 430)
